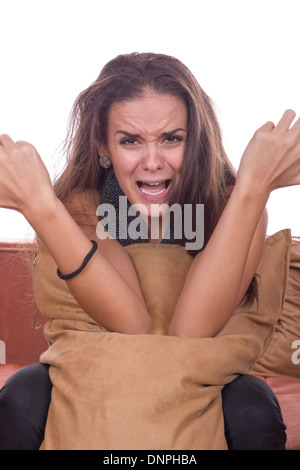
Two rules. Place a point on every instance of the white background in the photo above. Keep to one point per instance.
(244, 53)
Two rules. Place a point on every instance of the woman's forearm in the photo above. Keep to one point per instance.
(219, 275)
(95, 288)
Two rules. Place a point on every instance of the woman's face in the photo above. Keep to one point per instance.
(146, 140)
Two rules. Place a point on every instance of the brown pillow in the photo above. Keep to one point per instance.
(121, 391)
(281, 359)
(52, 295)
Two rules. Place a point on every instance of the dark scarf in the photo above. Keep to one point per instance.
(110, 192)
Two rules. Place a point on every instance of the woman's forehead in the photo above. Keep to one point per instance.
(151, 113)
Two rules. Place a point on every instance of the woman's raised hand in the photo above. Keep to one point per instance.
(25, 183)
(272, 157)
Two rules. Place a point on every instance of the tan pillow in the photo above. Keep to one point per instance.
(121, 391)
(161, 281)
(280, 357)
(51, 293)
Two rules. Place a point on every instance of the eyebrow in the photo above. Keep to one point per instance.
(128, 134)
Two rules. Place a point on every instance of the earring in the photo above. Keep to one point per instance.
(104, 162)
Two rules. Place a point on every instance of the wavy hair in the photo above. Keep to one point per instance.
(206, 170)
(206, 173)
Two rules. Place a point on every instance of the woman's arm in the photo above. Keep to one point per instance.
(106, 289)
(221, 274)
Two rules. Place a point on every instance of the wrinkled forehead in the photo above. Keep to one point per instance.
(152, 114)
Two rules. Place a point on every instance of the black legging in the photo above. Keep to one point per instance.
(253, 419)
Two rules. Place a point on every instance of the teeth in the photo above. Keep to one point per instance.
(155, 184)
(152, 193)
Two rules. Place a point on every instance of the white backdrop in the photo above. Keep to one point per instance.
(245, 54)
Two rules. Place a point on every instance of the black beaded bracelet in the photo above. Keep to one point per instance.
(85, 262)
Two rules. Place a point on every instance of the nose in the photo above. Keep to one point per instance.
(152, 159)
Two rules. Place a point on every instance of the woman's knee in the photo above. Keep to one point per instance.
(24, 403)
(252, 415)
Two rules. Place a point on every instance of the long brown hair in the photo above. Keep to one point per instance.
(206, 171)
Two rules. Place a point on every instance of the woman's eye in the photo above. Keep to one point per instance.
(172, 139)
(128, 141)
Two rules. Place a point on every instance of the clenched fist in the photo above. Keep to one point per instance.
(25, 184)
(272, 158)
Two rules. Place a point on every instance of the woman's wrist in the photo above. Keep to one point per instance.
(42, 208)
(250, 191)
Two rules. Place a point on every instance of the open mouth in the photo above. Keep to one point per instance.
(153, 189)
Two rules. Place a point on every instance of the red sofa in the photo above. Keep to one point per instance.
(22, 340)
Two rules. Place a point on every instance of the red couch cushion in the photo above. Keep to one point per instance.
(20, 342)
(287, 391)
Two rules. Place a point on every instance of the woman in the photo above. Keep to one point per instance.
(155, 129)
